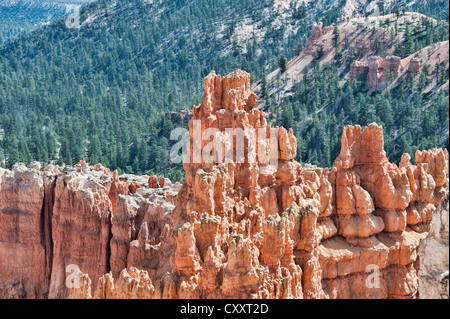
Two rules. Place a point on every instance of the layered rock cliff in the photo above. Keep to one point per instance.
(254, 225)
(433, 253)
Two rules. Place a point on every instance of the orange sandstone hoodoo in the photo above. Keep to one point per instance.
(232, 230)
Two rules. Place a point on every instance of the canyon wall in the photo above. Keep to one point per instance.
(261, 227)
(433, 254)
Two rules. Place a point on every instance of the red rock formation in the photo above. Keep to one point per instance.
(391, 68)
(313, 41)
(24, 271)
(414, 66)
(250, 229)
(81, 225)
(153, 182)
(358, 70)
(376, 71)
(375, 63)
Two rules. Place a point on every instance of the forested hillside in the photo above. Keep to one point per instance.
(105, 91)
(313, 94)
(18, 17)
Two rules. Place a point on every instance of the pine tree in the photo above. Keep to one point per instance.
(336, 37)
(282, 64)
(288, 116)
